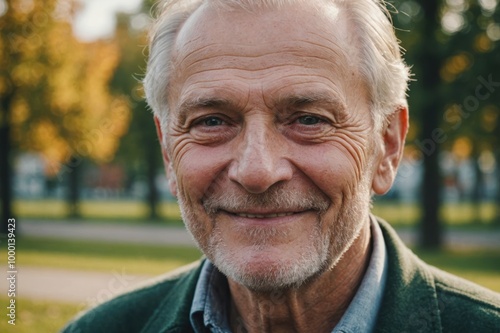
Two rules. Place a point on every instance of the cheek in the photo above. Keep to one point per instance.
(330, 167)
(197, 171)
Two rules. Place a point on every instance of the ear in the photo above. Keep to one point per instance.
(172, 183)
(394, 136)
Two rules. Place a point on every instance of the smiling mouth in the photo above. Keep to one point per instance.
(262, 216)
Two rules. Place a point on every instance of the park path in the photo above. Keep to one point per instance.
(89, 288)
(84, 288)
(109, 232)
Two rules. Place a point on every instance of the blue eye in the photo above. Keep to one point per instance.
(212, 121)
(309, 120)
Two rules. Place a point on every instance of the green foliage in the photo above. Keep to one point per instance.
(452, 47)
(468, 37)
(54, 89)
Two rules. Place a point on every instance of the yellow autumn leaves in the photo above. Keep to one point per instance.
(55, 89)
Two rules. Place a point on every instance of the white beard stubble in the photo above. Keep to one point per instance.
(322, 253)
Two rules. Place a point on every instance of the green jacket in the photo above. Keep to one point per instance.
(418, 298)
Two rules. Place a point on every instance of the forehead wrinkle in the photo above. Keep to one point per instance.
(190, 53)
(289, 87)
(238, 65)
(330, 50)
(255, 50)
(240, 73)
(320, 46)
(305, 68)
(234, 53)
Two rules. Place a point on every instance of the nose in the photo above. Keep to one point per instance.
(260, 161)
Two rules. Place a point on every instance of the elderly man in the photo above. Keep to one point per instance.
(278, 121)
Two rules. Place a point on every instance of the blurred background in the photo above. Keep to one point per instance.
(82, 174)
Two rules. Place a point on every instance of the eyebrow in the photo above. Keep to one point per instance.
(189, 105)
(313, 98)
(288, 100)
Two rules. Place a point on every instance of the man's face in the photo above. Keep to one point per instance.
(271, 145)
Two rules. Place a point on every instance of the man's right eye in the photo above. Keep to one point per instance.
(212, 121)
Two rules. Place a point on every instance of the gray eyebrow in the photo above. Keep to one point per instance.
(202, 102)
(319, 98)
(284, 101)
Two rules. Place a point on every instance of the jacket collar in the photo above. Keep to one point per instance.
(410, 302)
(172, 315)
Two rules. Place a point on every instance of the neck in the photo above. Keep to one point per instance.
(317, 306)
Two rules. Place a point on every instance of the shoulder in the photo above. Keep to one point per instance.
(131, 312)
(421, 298)
(466, 306)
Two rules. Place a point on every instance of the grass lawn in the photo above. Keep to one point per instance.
(455, 214)
(480, 266)
(51, 316)
(128, 211)
(106, 257)
(37, 316)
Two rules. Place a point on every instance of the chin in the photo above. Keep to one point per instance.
(269, 268)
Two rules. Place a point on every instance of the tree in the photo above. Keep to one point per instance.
(472, 113)
(451, 47)
(418, 27)
(139, 146)
(431, 231)
(55, 95)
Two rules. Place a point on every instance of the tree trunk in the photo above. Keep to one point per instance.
(5, 166)
(74, 187)
(432, 136)
(496, 152)
(497, 206)
(477, 192)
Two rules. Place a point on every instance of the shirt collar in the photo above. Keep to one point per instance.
(210, 307)
(361, 315)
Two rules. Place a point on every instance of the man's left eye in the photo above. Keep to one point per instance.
(309, 120)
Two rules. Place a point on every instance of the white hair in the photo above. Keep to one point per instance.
(380, 64)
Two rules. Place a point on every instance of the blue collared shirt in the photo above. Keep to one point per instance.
(210, 308)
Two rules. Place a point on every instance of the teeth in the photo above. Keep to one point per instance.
(260, 216)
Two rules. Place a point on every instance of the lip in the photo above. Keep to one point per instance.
(261, 218)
